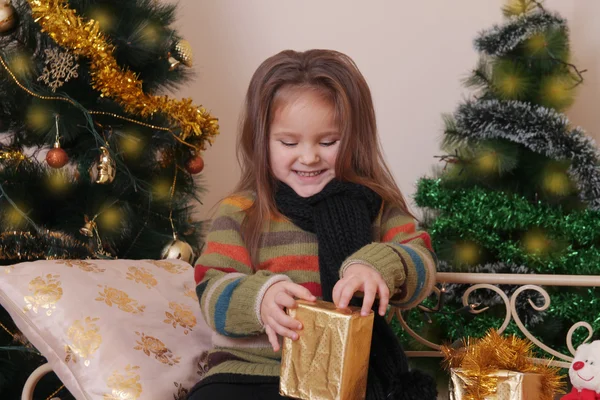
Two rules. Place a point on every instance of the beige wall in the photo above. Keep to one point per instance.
(413, 54)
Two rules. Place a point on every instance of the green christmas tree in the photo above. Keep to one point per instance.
(519, 188)
(93, 162)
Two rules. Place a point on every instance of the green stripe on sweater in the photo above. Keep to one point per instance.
(285, 239)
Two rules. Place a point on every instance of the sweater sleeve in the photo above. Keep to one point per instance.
(229, 290)
(403, 256)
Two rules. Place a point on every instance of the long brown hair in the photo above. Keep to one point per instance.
(359, 160)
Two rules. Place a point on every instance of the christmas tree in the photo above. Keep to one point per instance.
(518, 190)
(93, 162)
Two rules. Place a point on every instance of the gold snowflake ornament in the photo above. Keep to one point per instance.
(60, 68)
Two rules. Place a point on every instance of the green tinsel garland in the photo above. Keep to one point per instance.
(487, 217)
(571, 260)
(482, 216)
(508, 212)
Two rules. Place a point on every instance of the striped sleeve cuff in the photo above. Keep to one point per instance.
(409, 271)
(420, 270)
(230, 302)
(382, 258)
(261, 294)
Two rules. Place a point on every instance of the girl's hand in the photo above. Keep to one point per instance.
(276, 321)
(360, 277)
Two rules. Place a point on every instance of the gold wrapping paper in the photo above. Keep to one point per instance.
(330, 359)
(510, 385)
(480, 358)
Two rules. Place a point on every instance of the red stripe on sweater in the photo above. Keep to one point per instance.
(291, 263)
(314, 288)
(201, 270)
(236, 252)
(406, 228)
(424, 236)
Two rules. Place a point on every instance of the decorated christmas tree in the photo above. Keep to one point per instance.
(94, 163)
(518, 190)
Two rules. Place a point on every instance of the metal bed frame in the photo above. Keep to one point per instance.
(478, 281)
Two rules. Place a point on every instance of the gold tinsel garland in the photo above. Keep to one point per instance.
(478, 358)
(85, 39)
(12, 155)
(19, 246)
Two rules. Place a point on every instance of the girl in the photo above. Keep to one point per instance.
(316, 214)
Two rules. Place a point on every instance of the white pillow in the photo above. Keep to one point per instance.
(112, 329)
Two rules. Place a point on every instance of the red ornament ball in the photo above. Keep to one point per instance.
(57, 157)
(194, 165)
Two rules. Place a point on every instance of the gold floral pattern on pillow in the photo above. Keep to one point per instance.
(85, 339)
(115, 296)
(82, 265)
(69, 355)
(125, 386)
(182, 315)
(142, 275)
(190, 292)
(171, 267)
(45, 294)
(151, 345)
(116, 326)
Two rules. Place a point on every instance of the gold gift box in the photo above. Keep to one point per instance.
(510, 385)
(330, 359)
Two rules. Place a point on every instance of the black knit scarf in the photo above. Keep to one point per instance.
(341, 216)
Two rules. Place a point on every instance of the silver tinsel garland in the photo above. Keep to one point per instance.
(540, 129)
(501, 39)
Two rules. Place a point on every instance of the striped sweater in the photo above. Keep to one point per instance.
(230, 290)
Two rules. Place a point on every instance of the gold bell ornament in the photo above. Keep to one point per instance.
(181, 55)
(178, 250)
(88, 228)
(107, 168)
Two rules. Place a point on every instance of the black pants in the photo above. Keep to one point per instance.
(236, 391)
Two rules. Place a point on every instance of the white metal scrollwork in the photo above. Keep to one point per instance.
(526, 283)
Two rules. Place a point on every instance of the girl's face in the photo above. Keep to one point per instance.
(304, 140)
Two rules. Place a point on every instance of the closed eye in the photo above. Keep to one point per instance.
(327, 144)
(288, 144)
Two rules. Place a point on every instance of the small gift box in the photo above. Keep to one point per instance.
(497, 367)
(330, 359)
(507, 385)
